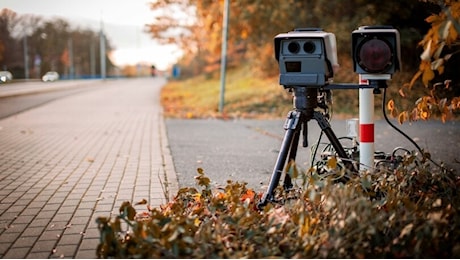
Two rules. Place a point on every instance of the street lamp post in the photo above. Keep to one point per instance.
(26, 58)
(102, 51)
(71, 65)
(92, 57)
(223, 60)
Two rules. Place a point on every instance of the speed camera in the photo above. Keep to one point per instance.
(306, 57)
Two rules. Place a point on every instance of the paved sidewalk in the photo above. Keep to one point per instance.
(66, 163)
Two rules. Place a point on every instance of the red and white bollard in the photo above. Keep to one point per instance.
(366, 126)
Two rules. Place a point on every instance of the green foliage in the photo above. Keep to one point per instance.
(410, 212)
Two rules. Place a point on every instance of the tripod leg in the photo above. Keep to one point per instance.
(292, 155)
(326, 128)
(286, 147)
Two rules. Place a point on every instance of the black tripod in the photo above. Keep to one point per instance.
(305, 102)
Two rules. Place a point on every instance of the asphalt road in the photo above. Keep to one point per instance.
(246, 150)
(18, 97)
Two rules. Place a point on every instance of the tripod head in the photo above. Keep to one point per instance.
(307, 100)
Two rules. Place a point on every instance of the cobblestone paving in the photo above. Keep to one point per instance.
(66, 163)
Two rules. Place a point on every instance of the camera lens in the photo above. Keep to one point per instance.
(375, 56)
(309, 47)
(293, 47)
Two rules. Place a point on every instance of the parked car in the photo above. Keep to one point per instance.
(5, 76)
(50, 76)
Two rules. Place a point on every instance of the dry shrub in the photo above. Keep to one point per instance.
(409, 212)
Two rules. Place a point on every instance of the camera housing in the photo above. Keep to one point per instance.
(376, 52)
(306, 57)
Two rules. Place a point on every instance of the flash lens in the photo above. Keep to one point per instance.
(294, 47)
(309, 47)
(375, 56)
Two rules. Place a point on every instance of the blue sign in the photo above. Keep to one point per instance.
(176, 71)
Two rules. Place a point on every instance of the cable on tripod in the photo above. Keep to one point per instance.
(330, 112)
(313, 155)
(401, 132)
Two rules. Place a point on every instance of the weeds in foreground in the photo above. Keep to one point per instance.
(411, 212)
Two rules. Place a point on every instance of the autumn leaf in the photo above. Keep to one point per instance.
(455, 103)
(332, 162)
(441, 69)
(406, 230)
(391, 105)
(127, 210)
(220, 196)
(453, 34)
(446, 30)
(116, 225)
(248, 195)
(292, 169)
(201, 179)
(432, 18)
(424, 115)
(414, 78)
(414, 114)
(444, 117)
(438, 50)
(141, 202)
(244, 34)
(197, 197)
(442, 104)
(437, 63)
(428, 75)
(426, 55)
(402, 117)
(401, 92)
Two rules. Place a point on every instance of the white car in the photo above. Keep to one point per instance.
(50, 76)
(5, 76)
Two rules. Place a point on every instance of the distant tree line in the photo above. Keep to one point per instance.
(47, 45)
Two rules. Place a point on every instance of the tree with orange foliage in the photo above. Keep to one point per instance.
(196, 27)
(438, 69)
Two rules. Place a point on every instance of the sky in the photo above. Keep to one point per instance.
(123, 22)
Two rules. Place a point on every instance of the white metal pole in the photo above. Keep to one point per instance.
(366, 126)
